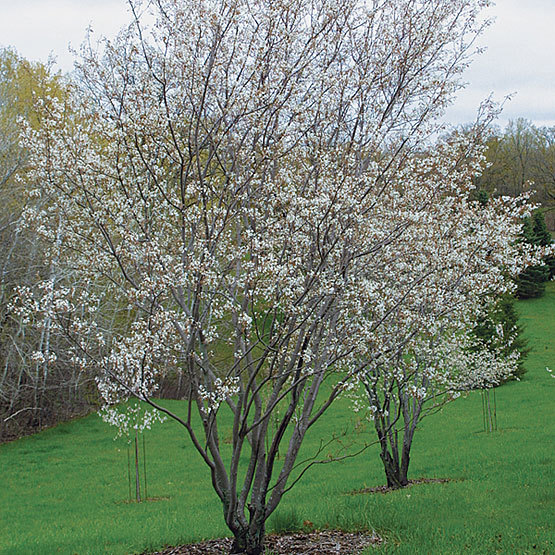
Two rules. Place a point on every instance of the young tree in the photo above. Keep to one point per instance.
(230, 175)
(499, 328)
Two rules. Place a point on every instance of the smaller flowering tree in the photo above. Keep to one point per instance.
(457, 260)
(132, 420)
(498, 332)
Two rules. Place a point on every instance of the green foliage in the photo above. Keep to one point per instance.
(541, 235)
(58, 482)
(531, 282)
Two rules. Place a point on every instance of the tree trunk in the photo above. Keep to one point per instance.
(250, 542)
(405, 460)
(395, 477)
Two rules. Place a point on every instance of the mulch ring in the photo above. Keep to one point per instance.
(325, 542)
(386, 489)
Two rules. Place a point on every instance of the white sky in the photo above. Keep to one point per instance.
(520, 56)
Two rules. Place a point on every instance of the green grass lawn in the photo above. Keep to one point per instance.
(65, 490)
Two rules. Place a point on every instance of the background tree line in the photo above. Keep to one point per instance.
(34, 391)
(521, 158)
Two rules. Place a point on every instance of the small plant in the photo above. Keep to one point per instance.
(133, 421)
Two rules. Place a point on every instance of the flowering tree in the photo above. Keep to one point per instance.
(456, 258)
(234, 182)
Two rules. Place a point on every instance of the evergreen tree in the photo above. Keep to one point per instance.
(531, 282)
(480, 195)
(541, 234)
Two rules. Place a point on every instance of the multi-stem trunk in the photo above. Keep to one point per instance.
(249, 540)
(395, 456)
(396, 471)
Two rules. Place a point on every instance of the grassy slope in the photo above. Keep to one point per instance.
(64, 490)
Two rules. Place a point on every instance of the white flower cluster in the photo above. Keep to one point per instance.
(130, 418)
(218, 393)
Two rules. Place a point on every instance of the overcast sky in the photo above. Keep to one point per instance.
(520, 53)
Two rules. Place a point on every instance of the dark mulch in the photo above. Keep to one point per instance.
(325, 542)
(386, 489)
